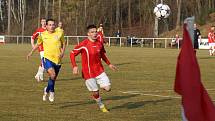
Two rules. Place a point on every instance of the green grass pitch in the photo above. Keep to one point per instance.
(142, 89)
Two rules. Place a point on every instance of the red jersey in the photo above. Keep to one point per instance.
(100, 37)
(35, 35)
(211, 37)
(91, 54)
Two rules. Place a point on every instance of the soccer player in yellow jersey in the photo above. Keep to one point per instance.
(54, 48)
(60, 27)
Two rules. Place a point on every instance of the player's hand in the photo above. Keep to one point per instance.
(29, 54)
(112, 67)
(32, 46)
(61, 55)
(75, 70)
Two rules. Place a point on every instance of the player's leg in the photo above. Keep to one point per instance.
(93, 88)
(210, 49)
(213, 48)
(40, 72)
(104, 82)
(50, 67)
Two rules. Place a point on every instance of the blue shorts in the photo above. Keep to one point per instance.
(49, 64)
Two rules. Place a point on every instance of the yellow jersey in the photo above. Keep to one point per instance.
(58, 29)
(52, 44)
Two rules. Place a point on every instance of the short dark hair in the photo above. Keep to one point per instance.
(91, 27)
(49, 19)
(43, 18)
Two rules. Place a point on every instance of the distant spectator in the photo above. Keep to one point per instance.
(197, 36)
(118, 34)
(175, 41)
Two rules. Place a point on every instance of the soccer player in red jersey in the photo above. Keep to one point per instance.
(211, 41)
(92, 52)
(100, 34)
(39, 75)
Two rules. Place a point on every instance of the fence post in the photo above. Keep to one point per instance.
(78, 39)
(22, 40)
(178, 43)
(109, 41)
(67, 40)
(165, 43)
(141, 42)
(131, 41)
(17, 40)
(153, 43)
(120, 41)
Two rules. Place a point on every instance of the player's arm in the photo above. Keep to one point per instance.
(32, 51)
(73, 54)
(39, 41)
(106, 60)
(34, 36)
(63, 48)
(200, 37)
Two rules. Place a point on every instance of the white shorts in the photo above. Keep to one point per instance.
(211, 45)
(41, 54)
(102, 80)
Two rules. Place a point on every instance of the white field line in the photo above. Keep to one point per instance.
(136, 92)
(166, 96)
(6, 56)
(169, 90)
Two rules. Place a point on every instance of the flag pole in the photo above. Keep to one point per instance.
(190, 21)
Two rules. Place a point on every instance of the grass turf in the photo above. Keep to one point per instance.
(143, 73)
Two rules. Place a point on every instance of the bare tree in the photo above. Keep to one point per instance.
(1, 11)
(59, 13)
(23, 18)
(39, 15)
(47, 8)
(140, 13)
(178, 14)
(117, 13)
(199, 7)
(156, 24)
(9, 17)
(53, 2)
(129, 16)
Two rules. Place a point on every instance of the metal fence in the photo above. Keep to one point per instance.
(111, 41)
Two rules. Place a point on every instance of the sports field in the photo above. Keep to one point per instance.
(142, 89)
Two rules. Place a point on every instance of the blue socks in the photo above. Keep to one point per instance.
(50, 87)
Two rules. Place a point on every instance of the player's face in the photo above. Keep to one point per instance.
(43, 22)
(101, 28)
(92, 33)
(195, 26)
(60, 24)
(50, 26)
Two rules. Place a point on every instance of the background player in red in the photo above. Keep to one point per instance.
(39, 75)
(92, 52)
(100, 34)
(211, 41)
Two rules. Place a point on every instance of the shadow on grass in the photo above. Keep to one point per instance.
(69, 62)
(128, 63)
(77, 103)
(133, 105)
(69, 79)
(207, 57)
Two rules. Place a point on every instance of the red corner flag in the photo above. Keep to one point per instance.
(195, 100)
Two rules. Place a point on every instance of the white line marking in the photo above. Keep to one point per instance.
(133, 92)
(139, 93)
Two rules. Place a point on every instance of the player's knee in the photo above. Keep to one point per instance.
(53, 76)
(95, 94)
(107, 88)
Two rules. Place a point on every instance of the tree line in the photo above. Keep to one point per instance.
(130, 17)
